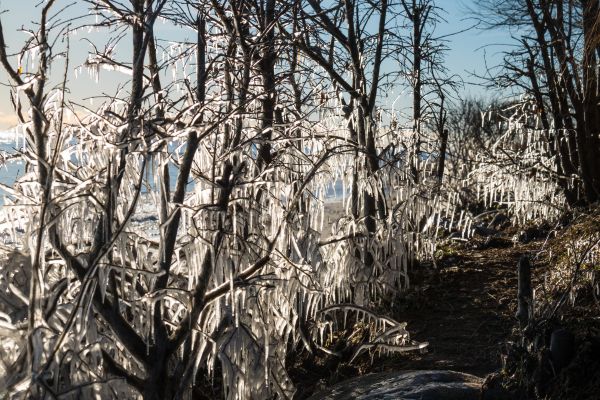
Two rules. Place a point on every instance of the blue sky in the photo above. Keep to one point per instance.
(468, 51)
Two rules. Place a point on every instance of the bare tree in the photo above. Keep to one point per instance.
(556, 64)
(228, 154)
(345, 45)
(44, 138)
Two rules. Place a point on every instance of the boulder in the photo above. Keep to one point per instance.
(406, 385)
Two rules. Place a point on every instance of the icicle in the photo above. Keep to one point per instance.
(266, 334)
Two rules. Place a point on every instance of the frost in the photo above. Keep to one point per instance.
(257, 255)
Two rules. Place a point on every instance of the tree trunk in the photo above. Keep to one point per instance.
(591, 109)
(267, 70)
(442, 155)
(417, 22)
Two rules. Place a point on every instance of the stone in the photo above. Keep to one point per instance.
(562, 348)
(406, 385)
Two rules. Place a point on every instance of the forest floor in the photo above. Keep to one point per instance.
(464, 307)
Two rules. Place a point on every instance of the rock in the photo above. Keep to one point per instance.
(494, 242)
(406, 385)
(500, 221)
(493, 388)
(543, 373)
(525, 236)
(482, 230)
(562, 348)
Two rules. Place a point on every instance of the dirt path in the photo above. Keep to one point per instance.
(465, 310)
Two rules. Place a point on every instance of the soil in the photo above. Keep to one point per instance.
(464, 307)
